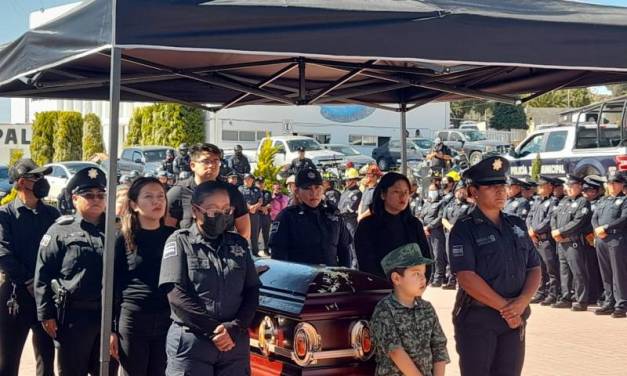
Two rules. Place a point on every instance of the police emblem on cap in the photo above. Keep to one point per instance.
(497, 165)
(93, 173)
(311, 175)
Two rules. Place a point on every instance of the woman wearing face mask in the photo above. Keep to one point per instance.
(142, 311)
(390, 225)
(213, 290)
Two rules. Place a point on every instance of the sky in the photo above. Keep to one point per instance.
(14, 21)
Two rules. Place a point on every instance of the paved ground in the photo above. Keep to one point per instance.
(559, 342)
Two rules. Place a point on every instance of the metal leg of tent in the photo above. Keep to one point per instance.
(403, 111)
(110, 228)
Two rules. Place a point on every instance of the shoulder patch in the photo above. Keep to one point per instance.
(65, 219)
(170, 250)
(457, 251)
(45, 240)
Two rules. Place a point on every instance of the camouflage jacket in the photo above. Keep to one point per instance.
(417, 330)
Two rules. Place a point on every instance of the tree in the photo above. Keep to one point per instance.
(92, 136)
(618, 89)
(68, 137)
(42, 143)
(134, 135)
(563, 98)
(16, 155)
(265, 163)
(536, 167)
(507, 116)
(166, 124)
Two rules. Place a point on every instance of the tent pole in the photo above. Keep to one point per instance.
(403, 111)
(112, 182)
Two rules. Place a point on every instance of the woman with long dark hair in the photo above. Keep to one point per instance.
(390, 225)
(142, 310)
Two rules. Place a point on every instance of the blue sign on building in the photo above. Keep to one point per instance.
(345, 113)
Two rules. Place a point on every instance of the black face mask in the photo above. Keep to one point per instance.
(216, 226)
(41, 188)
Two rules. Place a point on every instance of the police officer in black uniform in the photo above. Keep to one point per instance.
(516, 203)
(432, 221)
(168, 162)
(311, 232)
(239, 163)
(264, 214)
(568, 227)
(350, 199)
(68, 276)
(181, 162)
(23, 222)
(592, 189)
(331, 195)
(498, 270)
(539, 225)
(610, 227)
(64, 202)
(254, 200)
(213, 290)
(456, 208)
(205, 163)
(300, 163)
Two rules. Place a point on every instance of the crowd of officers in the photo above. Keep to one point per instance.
(166, 295)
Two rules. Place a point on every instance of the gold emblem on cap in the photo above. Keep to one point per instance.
(497, 165)
(93, 173)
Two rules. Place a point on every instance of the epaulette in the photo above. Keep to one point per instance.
(65, 219)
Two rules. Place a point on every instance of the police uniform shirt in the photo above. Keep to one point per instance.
(366, 199)
(611, 213)
(71, 247)
(518, 206)
(181, 163)
(301, 164)
(21, 229)
(240, 164)
(219, 274)
(437, 162)
(415, 206)
(539, 218)
(266, 197)
(500, 254)
(349, 201)
(432, 214)
(571, 217)
(311, 236)
(251, 195)
(180, 201)
(456, 209)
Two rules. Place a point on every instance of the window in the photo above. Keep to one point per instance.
(443, 136)
(58, 172)
(280, 146)
(556, 141)
(127, 154)
(320, 137)
(244, 136)
(304, 143)
(475, 135)
(136, 156)
(394, 144)
(156, 155)
(262, 134)
(454, 136)
(247, 136)
(230, 135)
(357, 140)
(533, 145)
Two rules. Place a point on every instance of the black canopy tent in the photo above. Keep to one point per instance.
(295, 52)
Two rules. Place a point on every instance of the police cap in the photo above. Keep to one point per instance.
(616, 176)
(489, 171)
(249, 176)
(26, 167)
(515, 181)
(574, 179)
(87, 178)
(405, 256)
(592, 182)
(544, 179)
(308, 177)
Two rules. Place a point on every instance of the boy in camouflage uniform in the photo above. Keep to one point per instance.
(407, 333)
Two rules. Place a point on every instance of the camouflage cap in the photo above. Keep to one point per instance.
(403, 257)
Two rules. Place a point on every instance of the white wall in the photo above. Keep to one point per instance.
(308, 119)
(14, 136)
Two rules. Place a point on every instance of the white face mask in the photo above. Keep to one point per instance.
(433, 195)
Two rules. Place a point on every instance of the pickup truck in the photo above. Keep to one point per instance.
(592, 147)
(288, 150)
(473, 143)
(142, 159)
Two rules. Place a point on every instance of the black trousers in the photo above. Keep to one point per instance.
(14, 331)
(487, 346)
(594, 282)
(617, 247)
(450, 277)
(550, 259)
(142, 337)
(264, 223)
(605, 267)
(574, 272)
(78, 344)
(437, 241)
(255, 228)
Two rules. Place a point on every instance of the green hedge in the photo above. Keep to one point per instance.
(41, 146)
(92, 136)
(68, 137)
(166, 124)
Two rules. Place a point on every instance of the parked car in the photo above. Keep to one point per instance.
(468, 126)
(313, 320)
(350, 154)
(473, 143)
(5, 186)
(592, 147)
(388, 156)
(288, 150)
(142, 159)
(61, 173)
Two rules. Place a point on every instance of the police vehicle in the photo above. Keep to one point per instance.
(591, 140)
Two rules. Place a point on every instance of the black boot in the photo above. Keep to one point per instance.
(562, 304)
(604, 311)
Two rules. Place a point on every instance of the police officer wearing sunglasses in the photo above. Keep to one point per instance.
(22, 224)
(68, 276)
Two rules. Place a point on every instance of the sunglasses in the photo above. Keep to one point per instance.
(213, 212)
(93, 196)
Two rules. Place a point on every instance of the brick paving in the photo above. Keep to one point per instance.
(559, 342)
